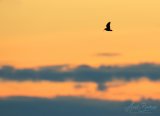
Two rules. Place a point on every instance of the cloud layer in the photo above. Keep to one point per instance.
(21, 106)
(81, 104)
(82, 73)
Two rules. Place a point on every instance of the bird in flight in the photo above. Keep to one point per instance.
(108, 28)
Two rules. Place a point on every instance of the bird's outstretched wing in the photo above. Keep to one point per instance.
(108, 25)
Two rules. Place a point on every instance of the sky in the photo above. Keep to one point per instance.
(36, 32)
(57, 53)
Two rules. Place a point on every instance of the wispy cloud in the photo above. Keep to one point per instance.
(108, 54)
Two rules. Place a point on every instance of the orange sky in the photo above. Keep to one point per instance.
(37, 32)
(116, 90)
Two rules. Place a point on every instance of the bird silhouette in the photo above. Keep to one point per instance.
(108, 28)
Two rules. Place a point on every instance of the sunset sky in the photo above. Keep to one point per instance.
(55, 51)
(36, 32)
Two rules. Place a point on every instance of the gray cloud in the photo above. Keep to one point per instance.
(69, 106)
(82, 73)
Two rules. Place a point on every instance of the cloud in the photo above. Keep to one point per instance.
(108, 54)
(82, 73)
(23, 106)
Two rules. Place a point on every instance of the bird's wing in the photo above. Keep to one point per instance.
(108, 25)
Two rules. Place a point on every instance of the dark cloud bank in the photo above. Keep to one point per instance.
(82, 73)
(74, 106)
(69, 106)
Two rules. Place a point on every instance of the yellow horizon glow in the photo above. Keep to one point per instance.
(117, 90)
